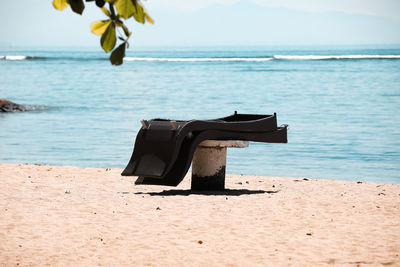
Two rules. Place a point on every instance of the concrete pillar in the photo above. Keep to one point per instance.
(209, 164)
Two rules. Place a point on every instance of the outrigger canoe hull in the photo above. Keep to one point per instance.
(164, 149)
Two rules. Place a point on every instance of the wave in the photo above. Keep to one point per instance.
(338, 57)
(17, 108)
(199, 59)
(16, 57)
(211, 59)
(36, 107)
(262, 59)
(166, 59)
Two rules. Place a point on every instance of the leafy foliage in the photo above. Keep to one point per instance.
(109, 39)
(118, 54)
(60, 4)
(125, 9)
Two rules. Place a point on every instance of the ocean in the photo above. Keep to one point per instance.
(342, 105)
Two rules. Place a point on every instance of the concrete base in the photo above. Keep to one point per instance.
(209, 164)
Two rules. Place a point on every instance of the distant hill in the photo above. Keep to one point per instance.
(243, 23)
(249, 24)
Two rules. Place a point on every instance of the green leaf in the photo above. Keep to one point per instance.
(77, 6)
(117, 56)
(148, 18)
(105, 11)
(108, 39)
(126, 31)
(118, 22)
(125, 8)
(100, 3)
(60, 4)
(139, 13)
(99, 27)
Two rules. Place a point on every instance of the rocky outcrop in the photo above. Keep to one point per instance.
(8, 106)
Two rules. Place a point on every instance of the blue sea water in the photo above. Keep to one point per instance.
(342, 105)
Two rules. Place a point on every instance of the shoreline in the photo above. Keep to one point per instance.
(62, 215)
(363, 179)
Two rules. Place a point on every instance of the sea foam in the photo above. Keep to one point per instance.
(14, 57)
(318, 57)
(209, 59)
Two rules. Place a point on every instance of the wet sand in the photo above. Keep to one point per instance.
(70, 216)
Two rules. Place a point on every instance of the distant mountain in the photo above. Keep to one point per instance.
(246, 23)
(243, 23)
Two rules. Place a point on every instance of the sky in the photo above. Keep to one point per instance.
(385, 8)
(212, 22)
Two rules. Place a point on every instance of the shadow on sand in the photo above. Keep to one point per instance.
(226, 192)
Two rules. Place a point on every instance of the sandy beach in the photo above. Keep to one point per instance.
(71, 216)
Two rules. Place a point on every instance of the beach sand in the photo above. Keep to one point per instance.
(70, 216)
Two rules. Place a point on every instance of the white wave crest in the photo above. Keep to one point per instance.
(314, 57)
(35, 107)
(211, 59)
(13, 57)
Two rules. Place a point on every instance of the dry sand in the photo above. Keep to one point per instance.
(69, 216)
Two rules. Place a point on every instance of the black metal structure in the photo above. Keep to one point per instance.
(164, 149)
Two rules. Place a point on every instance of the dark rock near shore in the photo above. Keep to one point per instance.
(8, 106)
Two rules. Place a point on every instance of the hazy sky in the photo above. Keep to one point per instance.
(385, 8)
(212, 22)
